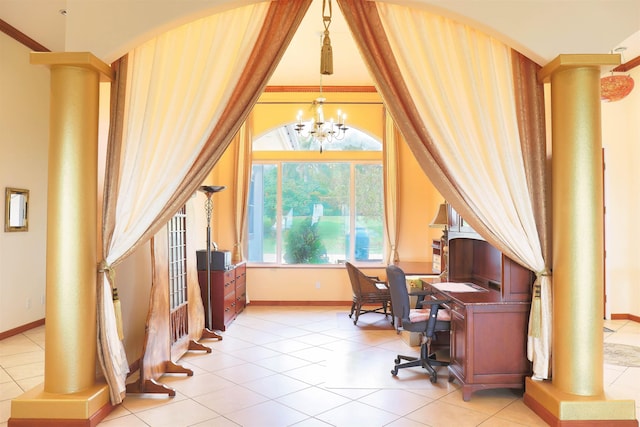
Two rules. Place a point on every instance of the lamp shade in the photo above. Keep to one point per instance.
(615, 87)
(441, 219)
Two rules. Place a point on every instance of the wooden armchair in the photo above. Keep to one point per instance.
(368, 291)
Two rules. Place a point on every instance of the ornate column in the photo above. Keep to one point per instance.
(70, 393)
(576, 392)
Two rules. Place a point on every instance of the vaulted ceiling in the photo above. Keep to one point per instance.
(541, 29)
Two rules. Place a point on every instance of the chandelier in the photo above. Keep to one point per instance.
(320, 131)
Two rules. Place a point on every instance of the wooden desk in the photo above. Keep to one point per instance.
(488, 340)
(413, 268)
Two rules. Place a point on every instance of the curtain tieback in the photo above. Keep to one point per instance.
(536, 304)
(103, 267)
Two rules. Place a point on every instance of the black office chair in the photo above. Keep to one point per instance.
(427, 321)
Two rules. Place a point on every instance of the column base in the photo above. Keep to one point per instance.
(37, 408)
(558, 408)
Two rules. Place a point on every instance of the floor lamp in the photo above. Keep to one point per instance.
(208, 190)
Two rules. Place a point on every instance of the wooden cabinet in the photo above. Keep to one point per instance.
(228, 294)
(457, 335)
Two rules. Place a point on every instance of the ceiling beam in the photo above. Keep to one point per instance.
(629, 65)
(21, 37)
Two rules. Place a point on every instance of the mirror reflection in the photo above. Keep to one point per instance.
(16, 216)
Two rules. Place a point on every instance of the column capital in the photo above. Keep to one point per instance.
(75, 59)
(565, 61)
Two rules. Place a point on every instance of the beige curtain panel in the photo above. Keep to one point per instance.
(451, 91)
(391, 193)
(243, 146)
(183, 98)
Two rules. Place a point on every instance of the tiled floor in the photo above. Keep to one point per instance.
(306, 366)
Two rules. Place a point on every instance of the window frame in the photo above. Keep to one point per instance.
(353, 158)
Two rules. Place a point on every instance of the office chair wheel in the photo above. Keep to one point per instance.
(394, 371)
(433, 378)
(397, 361)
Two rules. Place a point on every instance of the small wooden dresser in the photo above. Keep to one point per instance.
(228, 294)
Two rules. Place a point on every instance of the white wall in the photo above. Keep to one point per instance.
(621, 142)
(24, 137)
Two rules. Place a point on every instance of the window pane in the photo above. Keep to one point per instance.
(262, 230)
(315, 212)
(369, 213)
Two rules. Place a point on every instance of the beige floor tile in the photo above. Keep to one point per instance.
(17, 344)
(5, 411)
(124, 421)
(29, 383)
(244, 373)
(30, 370)
(487, 401)
(9, 391)
(443, 414)
(357, 413)
(287, 346)
(4, 377)
(276, 386)
(269, 413)
(399, 402)
(282, 363)
(316, 339)
(252, 354)
(141, 402)
(196, 385)
(518, 412)
(313, 354)
(12, 360)
(343, 346)
(351, 393)
(311, 422)
(312, 374)
(213, 361)
(313, 400)
(183, 413)
(231, 399)
(217, 422)
(406, 422)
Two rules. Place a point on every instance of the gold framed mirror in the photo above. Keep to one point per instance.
(16, 213)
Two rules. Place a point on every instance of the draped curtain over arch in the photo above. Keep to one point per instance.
(180, 100)
(391, 194)
(452, 93)
(244, 139)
